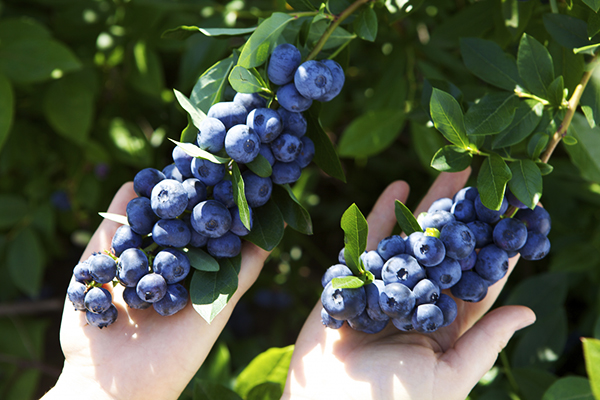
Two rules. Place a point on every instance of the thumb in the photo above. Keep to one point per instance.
(477, 349)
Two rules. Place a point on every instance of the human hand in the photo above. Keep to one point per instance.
(446, 364)
(143, 355)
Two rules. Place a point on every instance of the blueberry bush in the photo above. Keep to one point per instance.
(94, 91)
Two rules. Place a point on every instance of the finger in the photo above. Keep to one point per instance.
(477, 350)
(445, 185)
(382, 219)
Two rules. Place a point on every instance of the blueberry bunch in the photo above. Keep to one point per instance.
(464, 247)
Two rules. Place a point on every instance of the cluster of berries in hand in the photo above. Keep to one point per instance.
(465, 247)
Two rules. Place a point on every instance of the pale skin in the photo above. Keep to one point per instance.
(348, 364)
(144, 355)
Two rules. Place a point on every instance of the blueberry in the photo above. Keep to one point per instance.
(265, 151)
(169, 199)
(338, 80)
(372, 262)
(229, 113)
(537, 220)
(266, 124)
(290, 99)
(443, 204)
(172, 172)
(446, 273)
(97, 300)
(482, 232)
(492, 263)
(471, 287)
(140, 216)
(223, 192)
(343, 304)
(183, 161)
(237, 226)
(151, 288)
(536, 247)
(335, 271)
(426, 292)
(228, 245)
(404, 324)
(464, 211)
(396, 300)
(466, 193)
(208, 172)
(171, 233)
(242, 144)
(286, 172)
(133, 300)
(256, 188)
(342, 256)
(403, 269)
(427, 318)
(307, 153)
(313, 79)
(102, 268)
(250, 101)
(364, 323)
(172, 264)
(429, 251)
(131, 266)
(76, 294)
(448, 307)
(144, 181)
(81, 272)
(329, 321)
(458, 240)
(437, 219)
(485, 214)
(196, 192)
(104, 319)
(510, 234)
(123, 239)
(373, 291)
(513, 201)
(174, 300)
(211, 218)
(391, 246)
(283, 63)
(293, 122)
(286, 148)
(211, 135)
(469, 261)
(197, 239)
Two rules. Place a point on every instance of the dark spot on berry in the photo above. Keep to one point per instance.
(402, 274)
(434, 297)
(259, 119)
(391, 302)
(203, 171)
(337, 296)
(249, 146)
(445, 278)
(466, 236)
(211, 225)
(291, 148)
(424, 249)
(505, 266)
(320, 81)
(263, 191)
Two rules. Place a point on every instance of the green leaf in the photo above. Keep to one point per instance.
(190, 132)
(347, 282)
(7, 108)
(13, 208)
(267, 227)
(196, 151)
(535, 66)
(544, 168)
(593, 4)
(194, 112)
(591, 351)
(211, 291)
(569, 388)
(426, 142)
(491, 181)
(543, 293)
(527, 117)
(25, 261)
(260, 166)
(269, 366)
(568, 31)
(451, 159)
(325, 155)
(407, 221)
(258, 47)
(365, 24)
(493, 113)
(486, 60)
(205, 389)
(184, 31)
(526, 182)
(532, 382)
(569, 140)
(265, 391)
(201, 260)
(371, 133)
(120, 219)
(338, 38)
(245, 81)
(294, 214)
(239, 196)
(209, 88)
(537, 143)
(556, 92)
(448, 118)
(356, 230)
(542, 343)
(585, 155)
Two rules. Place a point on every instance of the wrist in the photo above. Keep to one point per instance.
(72, 385)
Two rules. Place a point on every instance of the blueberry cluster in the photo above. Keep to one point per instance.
(465, 247)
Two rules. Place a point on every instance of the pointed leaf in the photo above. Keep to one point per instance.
(591, 351)
(201, 260)
(195, 113)
(258, 47)
(196, 151)
(537, 143)
(190, 132)
(269, 366)
(371, 133)
(356, 230)
(527, 117)
(556, 92)
(244, 81)
(267, 227)
(491, 181)
(486, 60)
(451, 159)
(239, 195)
(365, 24)
(209, 88)
(535, 66)
(260, 166)
(184, 31)
(407, 221)
(448, 118)
(568, 31)
(571, 388)
(294, 214)
(492, 114)
(347, 282)
(325, 155)
(526, 182)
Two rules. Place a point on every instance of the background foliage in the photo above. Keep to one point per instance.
(86, 101)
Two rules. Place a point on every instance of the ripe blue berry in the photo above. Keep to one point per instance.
(229, 113)
(169, 199)
(536, 247)
(211, 135)
(458, 240)
(133, 300)
(510, 234)
(337, 82)
(196, 192)
(172, 264)
(390, 246)
(250, 101)
(471, 287)
(76, 294)
(492, 263)
(266, 123)
(228, 245)
(242, 144)
(140, 216)
(256, 188)
(174, 300)
(396, 300)
(102, 320)
(429, 251)
(171, 233)
(343, 304)
(335, 271)
(446, 273)
(286, 172)
(402, 269)
(211, 218)
(131, 266)
(151, 288)
(293, 122)
(290, 99)
(97, 300)
(283, 63)
(329, 321)
(102, 268)
(144, 181)
(313, 79)
(208, 172)
(427, 318)
(123, 239)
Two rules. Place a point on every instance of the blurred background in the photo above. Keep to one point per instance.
(86, 101)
